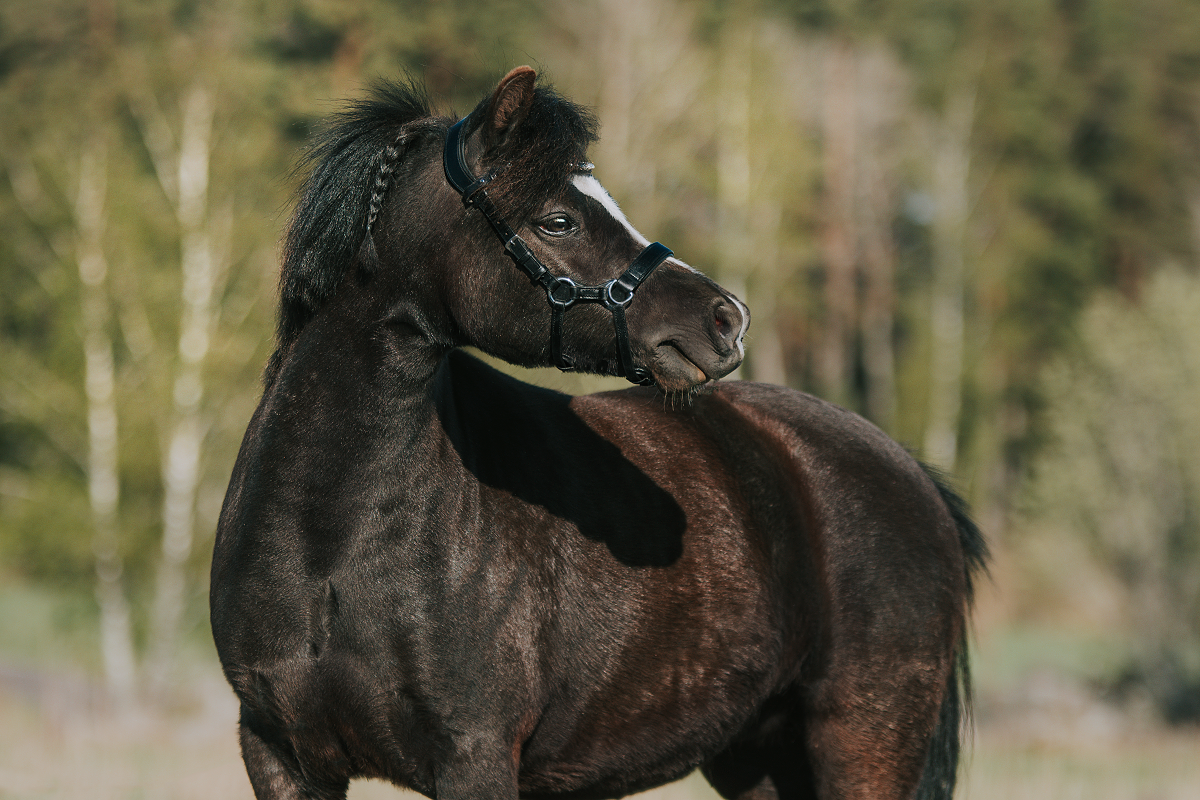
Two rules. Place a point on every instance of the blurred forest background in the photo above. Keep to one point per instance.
(976, 223)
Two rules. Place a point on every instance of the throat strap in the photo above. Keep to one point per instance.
(561, 292)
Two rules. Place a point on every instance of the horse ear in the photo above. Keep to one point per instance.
(510, 103)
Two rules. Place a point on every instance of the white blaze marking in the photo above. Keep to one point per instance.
(588, 185)
(593, 189)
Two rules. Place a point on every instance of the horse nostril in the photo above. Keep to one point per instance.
(727, 322)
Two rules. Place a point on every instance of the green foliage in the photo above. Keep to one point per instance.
(72, 72)
(44, 626)
(1123, 472)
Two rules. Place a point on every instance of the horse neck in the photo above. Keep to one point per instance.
(358, 356)
(374, 347)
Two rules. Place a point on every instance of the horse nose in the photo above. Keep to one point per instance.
(730, 319)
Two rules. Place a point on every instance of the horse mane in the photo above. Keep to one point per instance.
(350, 161)
(330, 220)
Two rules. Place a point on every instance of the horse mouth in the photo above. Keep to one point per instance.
(673, 370)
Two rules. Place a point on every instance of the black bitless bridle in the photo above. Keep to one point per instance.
(561, 292)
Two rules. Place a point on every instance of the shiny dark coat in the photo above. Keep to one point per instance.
(431, 573)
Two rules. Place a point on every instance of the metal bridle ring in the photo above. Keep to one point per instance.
(610, 301)
(572, 291)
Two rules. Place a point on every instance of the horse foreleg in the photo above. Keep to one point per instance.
(479, 769)
(275, 777)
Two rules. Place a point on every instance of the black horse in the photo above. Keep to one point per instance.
(433, 574)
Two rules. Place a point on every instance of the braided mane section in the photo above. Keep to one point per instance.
(369, 257)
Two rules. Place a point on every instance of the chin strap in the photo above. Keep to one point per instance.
(561, 292)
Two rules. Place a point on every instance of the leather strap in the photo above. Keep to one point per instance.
(454, 160)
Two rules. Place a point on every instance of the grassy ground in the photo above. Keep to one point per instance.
(1152, 765)
(62, 746)
(1042, 734)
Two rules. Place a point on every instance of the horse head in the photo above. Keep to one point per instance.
(591, 293)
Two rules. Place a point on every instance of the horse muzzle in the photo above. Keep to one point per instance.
(709, 346)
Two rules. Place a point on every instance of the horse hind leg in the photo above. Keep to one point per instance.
(769, 762)
(848, 741)
(896, 739)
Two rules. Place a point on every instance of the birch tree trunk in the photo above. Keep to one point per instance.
(183, 172)
(951, 166)
(116, 638)
(767, 362)
(749, 218)
(878, 315)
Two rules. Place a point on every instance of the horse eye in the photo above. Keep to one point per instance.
(557, 225)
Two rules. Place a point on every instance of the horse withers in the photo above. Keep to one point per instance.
(430, 573)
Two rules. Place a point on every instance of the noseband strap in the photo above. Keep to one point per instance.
(561, 292)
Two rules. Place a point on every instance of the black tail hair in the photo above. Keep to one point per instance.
(954, 719)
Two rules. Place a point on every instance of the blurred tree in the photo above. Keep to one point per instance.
(1038, 158)
(884, 95)
(951, 170)
(182, 170)
(1122, 469)
(839, 146)
(116, 628)
(86, 219)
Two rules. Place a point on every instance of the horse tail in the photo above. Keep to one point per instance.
(941, 761)
(954, 718)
